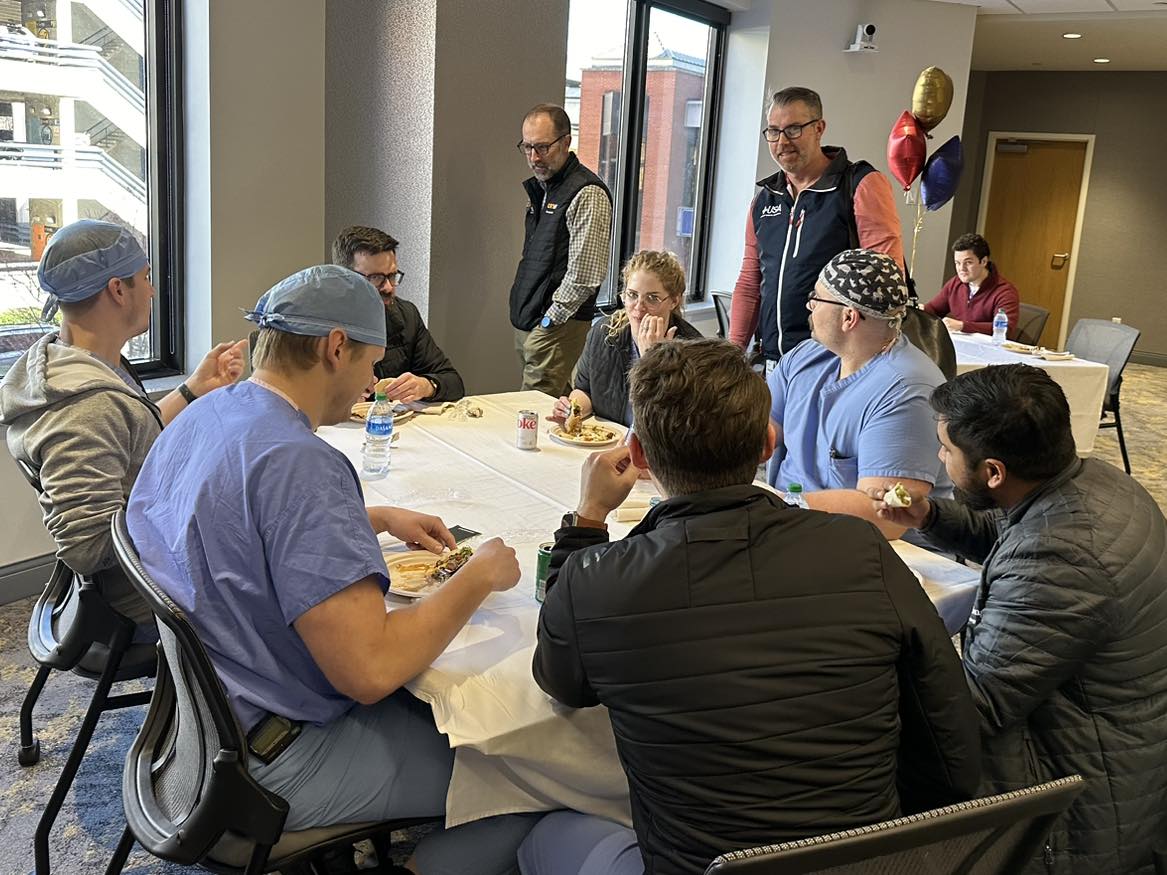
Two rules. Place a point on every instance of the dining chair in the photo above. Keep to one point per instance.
(1031, 321)
(1111, 344)
(74, 628)
(994, 835)
(188, 795)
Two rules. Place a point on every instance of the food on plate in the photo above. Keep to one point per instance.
(1055, 355)
(587, 434)
(898, 496)
(574, 421)
(419, 573)
(449, 563)
(1013, 346)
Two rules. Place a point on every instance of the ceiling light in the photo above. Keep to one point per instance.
(1071, 36)
(1102, 60)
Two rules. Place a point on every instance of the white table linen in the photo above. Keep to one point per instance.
(1084, 382)
(515, 748)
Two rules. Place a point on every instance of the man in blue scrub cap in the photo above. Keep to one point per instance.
(77, 413)
(258, 530)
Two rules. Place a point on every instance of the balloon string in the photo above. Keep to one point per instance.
(919, 225)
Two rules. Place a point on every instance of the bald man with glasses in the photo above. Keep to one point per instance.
(565, 252)
(817, 205)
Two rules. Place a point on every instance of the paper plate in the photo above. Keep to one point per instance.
(557, 434)
(408, 571)
(1053, 355)
(401, 413)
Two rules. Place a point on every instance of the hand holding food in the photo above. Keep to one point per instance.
(912, 514)
(405, 388)
(561, 410)
(498, 563)
(574, 419)
(418, 530)
(605, 481)
(898, 496)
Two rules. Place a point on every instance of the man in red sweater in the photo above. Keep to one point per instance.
(970, 299)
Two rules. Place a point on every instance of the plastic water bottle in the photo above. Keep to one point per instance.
(1000, 326)
(794, 496)
(378, 439)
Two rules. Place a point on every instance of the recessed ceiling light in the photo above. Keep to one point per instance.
(1071, 36)
(1102, 60)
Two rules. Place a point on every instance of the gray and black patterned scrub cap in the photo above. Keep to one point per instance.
(869, 281)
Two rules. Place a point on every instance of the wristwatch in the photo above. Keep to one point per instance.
(574, 519)
(546, 323)
(185, 392)
(433, 383)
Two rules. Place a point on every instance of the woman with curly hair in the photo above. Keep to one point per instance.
(654, 289)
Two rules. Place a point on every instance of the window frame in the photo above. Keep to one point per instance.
(165, 174)
(634, 94)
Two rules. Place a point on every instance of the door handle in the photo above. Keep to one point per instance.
(1059, 260)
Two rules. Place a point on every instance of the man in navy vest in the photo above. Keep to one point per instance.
(800, 219)
(565, 253)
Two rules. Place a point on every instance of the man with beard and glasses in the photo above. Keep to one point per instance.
(1066, 649)
(414, 366)
(851, 404)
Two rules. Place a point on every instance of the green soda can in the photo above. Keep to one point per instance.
(542, 569)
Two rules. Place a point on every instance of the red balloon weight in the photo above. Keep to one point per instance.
(906, 149)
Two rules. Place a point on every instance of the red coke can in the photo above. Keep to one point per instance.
(527, 430)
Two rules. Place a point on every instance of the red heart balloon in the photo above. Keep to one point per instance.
(906, 149)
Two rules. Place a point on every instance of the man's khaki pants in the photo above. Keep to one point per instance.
(548, 355)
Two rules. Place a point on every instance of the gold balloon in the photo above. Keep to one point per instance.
(931, 97)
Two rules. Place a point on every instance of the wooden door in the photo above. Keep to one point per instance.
(1032, 211)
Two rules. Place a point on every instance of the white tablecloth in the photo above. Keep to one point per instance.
(516, 749)
(1084, 382)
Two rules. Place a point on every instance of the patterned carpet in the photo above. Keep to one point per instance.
(91, 820)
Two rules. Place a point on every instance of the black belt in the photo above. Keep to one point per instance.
(271, 736)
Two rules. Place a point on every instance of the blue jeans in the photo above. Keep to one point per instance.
(570, 843)
(386, 761)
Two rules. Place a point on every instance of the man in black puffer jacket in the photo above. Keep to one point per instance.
(771, 673)
(1066, 651)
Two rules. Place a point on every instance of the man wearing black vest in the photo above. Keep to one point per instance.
(800, 220)
(565, 253)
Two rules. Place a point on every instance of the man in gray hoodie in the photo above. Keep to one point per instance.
(75, 410)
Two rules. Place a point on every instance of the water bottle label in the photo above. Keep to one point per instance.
(382, 428)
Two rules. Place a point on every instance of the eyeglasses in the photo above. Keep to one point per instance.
(649, 300)
(395, 278)
(792, 132)
(540, 149)
(817, 300)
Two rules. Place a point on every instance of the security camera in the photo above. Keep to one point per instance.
(864, 39)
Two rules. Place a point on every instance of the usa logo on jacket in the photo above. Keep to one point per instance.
(772, 210)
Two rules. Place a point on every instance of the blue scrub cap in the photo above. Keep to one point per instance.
(317, 299)
(82, 258)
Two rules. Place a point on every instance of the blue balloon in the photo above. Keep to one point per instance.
(942, 174)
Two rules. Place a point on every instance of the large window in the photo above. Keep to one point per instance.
(88, 129)
(642, 86)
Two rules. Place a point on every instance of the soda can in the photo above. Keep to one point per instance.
(527, 430)
(542, 569)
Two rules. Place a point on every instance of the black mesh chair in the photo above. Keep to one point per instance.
(188, 794)
(1111, 344)
(721, 305)
(74, 628)
(1031, 321)
(996, 835)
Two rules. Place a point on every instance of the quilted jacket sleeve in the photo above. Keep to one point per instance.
(1048, 607)
(971, 533)
(939, 755)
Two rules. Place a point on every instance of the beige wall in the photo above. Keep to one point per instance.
(1118, 270)
(862, 94)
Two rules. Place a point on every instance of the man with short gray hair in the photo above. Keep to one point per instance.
(818, 204)
(565, 253)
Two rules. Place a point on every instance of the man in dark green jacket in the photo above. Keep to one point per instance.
(1066, 649)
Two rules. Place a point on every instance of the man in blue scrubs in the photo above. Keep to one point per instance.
(258, 530)
(851, 404)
